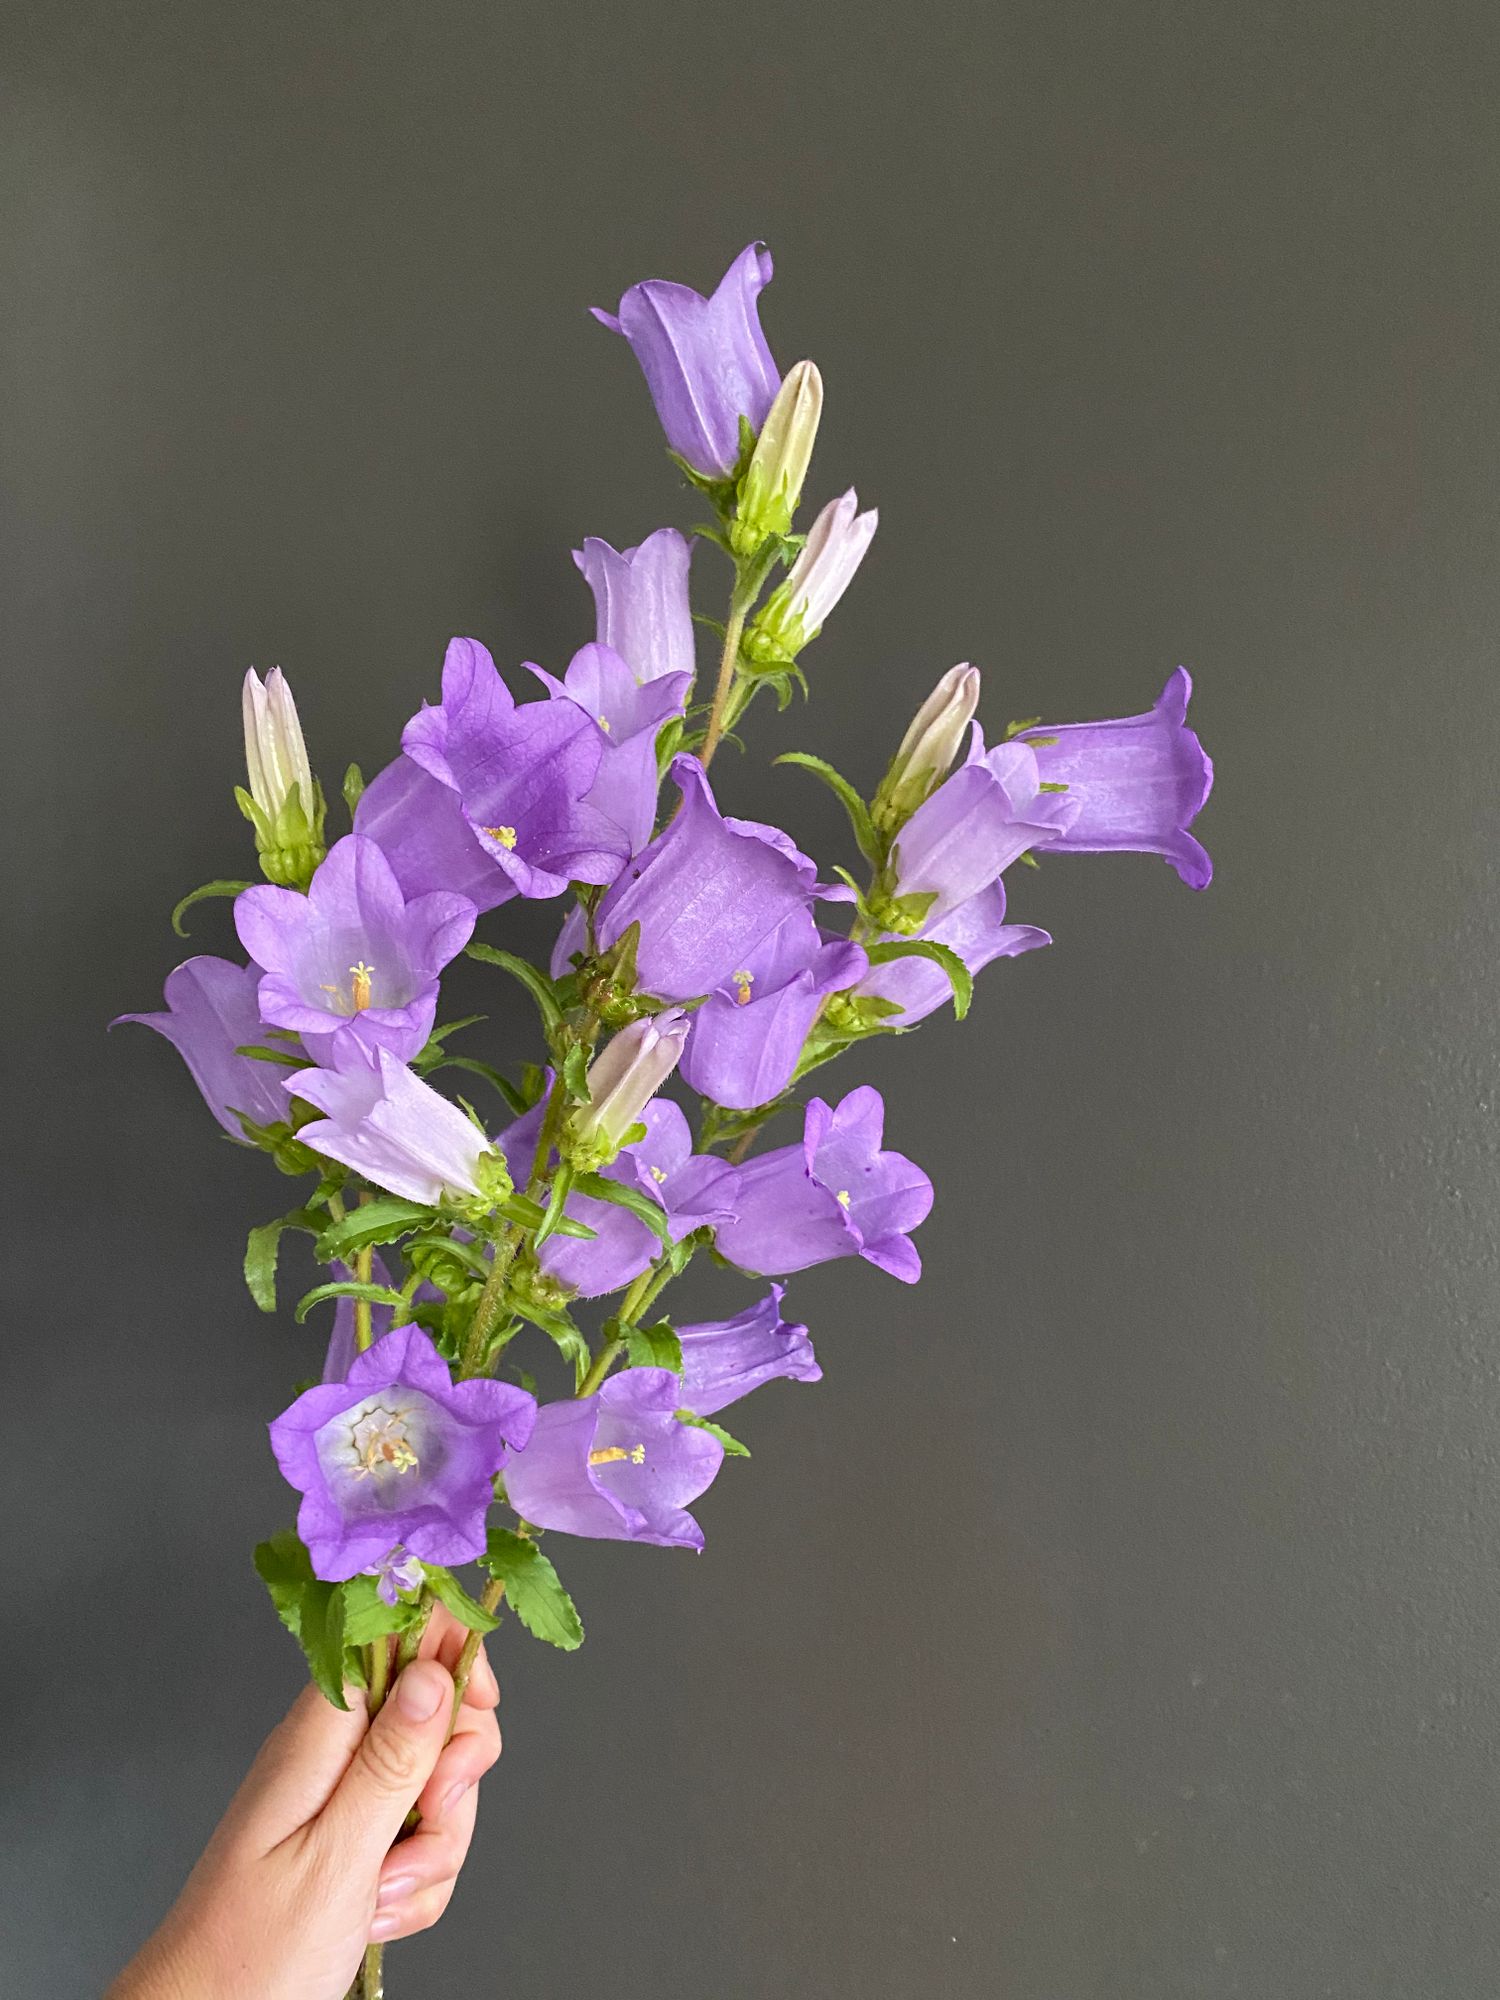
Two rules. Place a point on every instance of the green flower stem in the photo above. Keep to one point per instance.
(411, 1638)
(728, 661)
(490, 1599)
(490, 1305)
(603, 1361)
(377, 1674)
(371, 1984)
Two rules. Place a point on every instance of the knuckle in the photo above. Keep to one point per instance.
(390, 1759)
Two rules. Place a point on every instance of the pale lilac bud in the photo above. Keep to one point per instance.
(834, 550)
(928, 748)
(772, 487)
(622, 1081)
(285, 802)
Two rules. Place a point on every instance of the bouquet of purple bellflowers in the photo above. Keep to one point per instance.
(693, 947)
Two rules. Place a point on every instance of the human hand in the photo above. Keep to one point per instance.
(301, 1872)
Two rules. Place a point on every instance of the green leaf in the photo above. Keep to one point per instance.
(261, 1249)
(520, 1208)
(448, 1246)
(653, 1347)
(567, 1338)
(258, 1052)
(451, 1594)
(368, 1617)
(732, 1446)
(531, 1584)
(959, 975)
(537, 984)
(378, 1295)
(640, 1205)
(378, 1221)
(353, 787)
(284, 1566)
(311, 1610)
(562, 1187)
(201, 895)
(488, 1071)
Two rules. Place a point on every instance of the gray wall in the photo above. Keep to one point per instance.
(1119, 1619)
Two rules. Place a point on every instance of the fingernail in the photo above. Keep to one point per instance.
(450, 1799)
(385, 1923)
(420, 1691)
(394, 1890)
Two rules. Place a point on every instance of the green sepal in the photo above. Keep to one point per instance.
(641, 1206)
(311, 1610)
(353, 787)
(262, 1247)
(491, 1075)
(428, 1253)
(653, 1347)
(380, 1221)
(575, 1073)
(451, 1594)
(536, 982)
(732, 1446)
(287, 1150)
(258, 1052)
(201, 895)
(529, 1214)
(1015, 728)
(848, 798)
(562, 1187)
(533, 1589)
(378, 1295)
(959, 975)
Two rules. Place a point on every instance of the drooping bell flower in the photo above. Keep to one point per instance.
(987, 815)
(705, 361)
(352, 960)
(489, 799)
(705, 893)
(1138, 783)
(694, 1191)
(927, 750)
(393, 1128)
(627, 714)
(641, 602)
(212, 1010)
(796, 612)
(285, 802)
(746, 1039)
(723, 1360)
(398, 1454)
(617, 1466)
(771, 489)
(834, 1195)
(622, 1080)
(976, 930)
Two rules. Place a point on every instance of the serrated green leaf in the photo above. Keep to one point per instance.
(368, 1617)
(640, 1205)
(201, 895)
(380, 1221)
(732, 1446)
(322, 1637)
(959, 975)
(262, 1247)
(284, 1566)
(653, 1347)
(378, 1295)
(533, 1588)
(536, 982)
(451, 1594)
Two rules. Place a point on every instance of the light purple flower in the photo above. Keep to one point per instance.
(694, 1190)
(705, 893)
(397, 1453)
(976, 930)
(385, 1123)
(797, 611)
(352, 960)
(747, 1037)
(1138, 783)
(398, 1570)
(626, 715)
(705, 361)
(342, 1344)
(212, 1010)
(723, 1360)
(835, 1195)
(490, 798)
(641, 602)
(987, 815)
(617, 1466)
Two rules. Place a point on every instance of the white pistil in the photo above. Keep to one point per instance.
(616, 1454)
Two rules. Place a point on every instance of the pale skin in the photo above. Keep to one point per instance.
(306, 1867)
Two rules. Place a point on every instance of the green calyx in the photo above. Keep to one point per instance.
(290, 844)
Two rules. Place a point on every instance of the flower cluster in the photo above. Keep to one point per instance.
(703, 969)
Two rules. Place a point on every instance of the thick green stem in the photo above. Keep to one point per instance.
(490, 1599)
(490, 1305)
(603, 1361)
(728, 661)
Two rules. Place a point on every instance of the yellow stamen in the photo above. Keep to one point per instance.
(380, 1444)
(842, 1197)
(616, 1454)
(744, 981)
(658, 1174)
(506, 835)
(360, 977)
(604, 724)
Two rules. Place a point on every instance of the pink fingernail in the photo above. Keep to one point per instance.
(395, 1889)
(385, 1924)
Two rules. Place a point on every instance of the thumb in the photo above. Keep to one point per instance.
(395, 1758)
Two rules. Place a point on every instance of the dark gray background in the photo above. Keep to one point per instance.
(1119, 1619)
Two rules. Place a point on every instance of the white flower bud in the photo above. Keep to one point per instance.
(622, 1081)
(928, 748)
(772, 487)
(834, 550)
(275, 754)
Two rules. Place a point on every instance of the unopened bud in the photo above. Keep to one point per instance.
(928, 748)
(795, 614)
(622, 1081)
(285, 801)
(772, 486)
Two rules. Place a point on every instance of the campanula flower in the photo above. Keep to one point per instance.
(976, 930)
(387, 1124)
(212, 1010)
(641, 602)
(627, 715)
(724, 1359)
